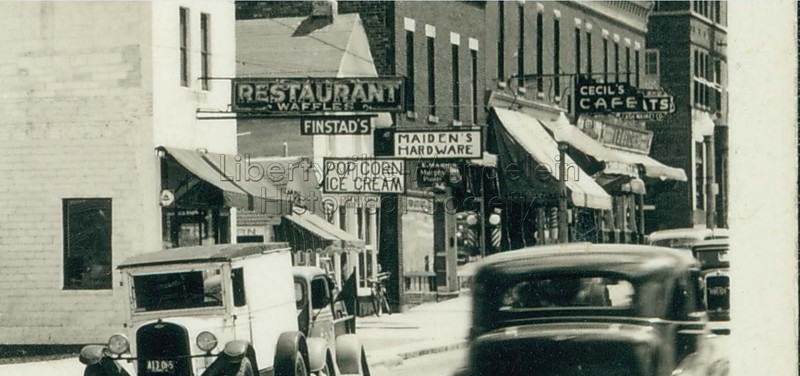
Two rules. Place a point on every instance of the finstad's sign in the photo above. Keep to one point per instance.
(615, 98)
(363, 175)
(444, 144)
(335, 125)
(306, 95)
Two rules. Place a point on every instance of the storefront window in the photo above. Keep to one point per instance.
(87, 243)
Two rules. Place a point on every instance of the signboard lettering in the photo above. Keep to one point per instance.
(293, 95)
(445, 144)
(433, 174)
(637, 140)
(592, 97)
(335, 125)
(363, 175)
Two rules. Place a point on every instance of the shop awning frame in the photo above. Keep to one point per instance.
(316, 234)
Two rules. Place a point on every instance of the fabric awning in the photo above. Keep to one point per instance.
(308, 232)
(487, 160)
(218, 170)
(523, 142)
(653, 168)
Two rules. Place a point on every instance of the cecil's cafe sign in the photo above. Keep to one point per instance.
(622, 100)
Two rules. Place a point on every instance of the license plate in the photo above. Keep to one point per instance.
(717, 291)
(160, 366)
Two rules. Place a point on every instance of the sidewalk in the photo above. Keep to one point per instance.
(425, 329)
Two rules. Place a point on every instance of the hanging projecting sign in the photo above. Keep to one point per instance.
(336, 125)
(363, 175)
(444, 144)
(305, 95)
(627, 138)
(620, 99)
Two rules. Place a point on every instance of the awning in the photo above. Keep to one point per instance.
(218, 170)
(487, 160)
(308, 232)
(524, 144)
(653, 168)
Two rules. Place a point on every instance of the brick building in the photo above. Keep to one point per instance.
(688, 41)
(98, 136)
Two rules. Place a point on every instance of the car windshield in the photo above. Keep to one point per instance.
(178, 290)
(683, 243)
(568, 291)
(714, 258)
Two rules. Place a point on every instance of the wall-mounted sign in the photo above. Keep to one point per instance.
(592, 97)
(638, 140)
(336, 125)
(433, 174)
(444, 144)
(421, 205)
(363, 175)
(306, 95)
(167, 198)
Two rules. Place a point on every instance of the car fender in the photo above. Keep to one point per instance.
(317, 353)
(348, 354)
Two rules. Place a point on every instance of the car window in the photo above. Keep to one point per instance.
(319, 293)
(237, 277)
(178, 290)
(569, 291)
(299, 294)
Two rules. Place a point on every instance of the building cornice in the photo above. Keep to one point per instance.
(690, 13)
(632, 14)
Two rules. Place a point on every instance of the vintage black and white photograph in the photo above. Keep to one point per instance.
(446, 188)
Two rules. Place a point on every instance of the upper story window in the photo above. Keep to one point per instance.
(87, 243)
(205, 48)
(651, 62)
(409, 26)
(539, 52)
(557, 56)
(473, 55)
(184, 45)
(501, 40)
(521, 49)
(430, 32)
(454, 47)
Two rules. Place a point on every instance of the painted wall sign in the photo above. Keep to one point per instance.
(336, 125)
(437, 174)
(363, 175)
(306, 95)
(637, 140)
(444, 144)
(592, 97)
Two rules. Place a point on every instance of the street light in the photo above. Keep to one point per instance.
(559, 134)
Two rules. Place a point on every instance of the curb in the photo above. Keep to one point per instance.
(397, 359)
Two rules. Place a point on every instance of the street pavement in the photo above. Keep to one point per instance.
(441, 364)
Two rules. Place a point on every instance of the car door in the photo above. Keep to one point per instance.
(321, 309)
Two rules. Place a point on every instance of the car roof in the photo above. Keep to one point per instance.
(712, 245)
(203, 253)
(698, 233)
(633, 261)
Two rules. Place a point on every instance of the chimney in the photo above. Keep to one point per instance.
(326, 8)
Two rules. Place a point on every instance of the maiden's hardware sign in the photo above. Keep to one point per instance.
(286, 96)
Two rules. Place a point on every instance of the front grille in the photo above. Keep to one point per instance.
(718, 293)
(163, 350)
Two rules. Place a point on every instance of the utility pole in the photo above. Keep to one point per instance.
(562, 198)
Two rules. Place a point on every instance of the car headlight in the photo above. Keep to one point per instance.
(206, 341)
(118, 344)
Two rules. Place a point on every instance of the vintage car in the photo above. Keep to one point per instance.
(227, 310)
(713, 257)
(685, 238)
(589, 309)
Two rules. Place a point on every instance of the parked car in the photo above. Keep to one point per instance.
(589, 309)
(713, 257)
(227, 310)
(685, 238)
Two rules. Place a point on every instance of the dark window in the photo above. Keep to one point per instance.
(410, 71)
(605, 60)
(556, 56)
(456, 84)
(628, 64)
(184, 45)
(87, 243)
(501, 41)
(589, 53)
(699, 175)
(651, 62)
(342, 217)
(577, 51)
(431, 78)
(239, 297)
(636, 63)
(616, 61)
(205, 51)
(521, 50)
(178, 290)
(474, 84)
(716, 11)
(539, 54)
(320, 296)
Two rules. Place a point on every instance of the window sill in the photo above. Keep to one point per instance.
(411, 115)
(501, 84)
(457, 123)
(432, 119)
(522, 90)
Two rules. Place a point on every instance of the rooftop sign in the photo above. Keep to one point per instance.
(336, 125)
(291, 96)
(440, 144)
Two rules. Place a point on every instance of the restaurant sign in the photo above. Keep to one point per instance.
(627, 138)
(336, 125)
(439, 144)
(348, 175)
(285, 96)
(621, 99)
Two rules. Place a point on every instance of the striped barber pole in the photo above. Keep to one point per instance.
(496, 234)
(470, 238)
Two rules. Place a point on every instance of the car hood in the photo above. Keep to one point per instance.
(582, 348)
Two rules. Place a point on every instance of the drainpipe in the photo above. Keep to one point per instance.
(711, 202)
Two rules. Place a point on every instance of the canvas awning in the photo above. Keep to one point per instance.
(218, 171)
(308, 232)
(528, 160)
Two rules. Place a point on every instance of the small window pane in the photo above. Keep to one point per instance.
(239, 297)
(87, 243)
(179, 290)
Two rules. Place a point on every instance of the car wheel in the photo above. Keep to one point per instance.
(327, 369)
(246, 368)
(94, 370)
(300, 365)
